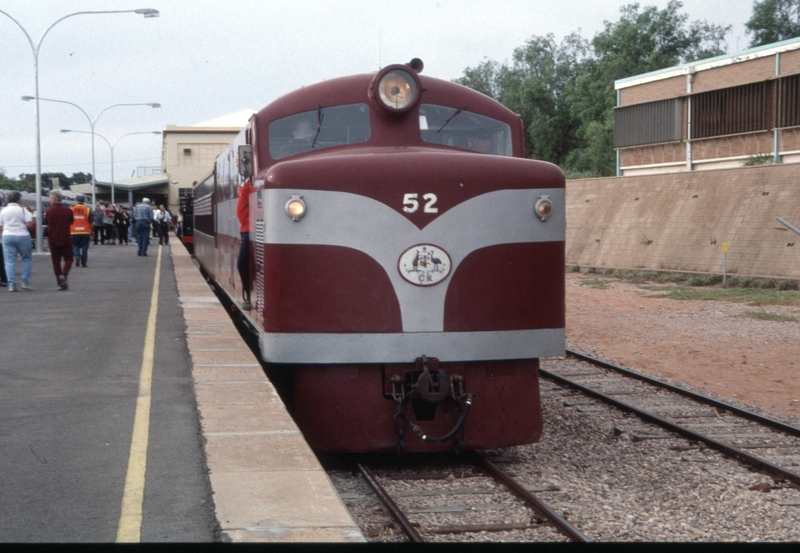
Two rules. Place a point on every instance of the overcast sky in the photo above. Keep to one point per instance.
(202, 59)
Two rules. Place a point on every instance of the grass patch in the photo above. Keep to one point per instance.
(598, 284)
(750, 296)
(766, 316)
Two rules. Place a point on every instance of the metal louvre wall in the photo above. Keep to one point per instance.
(789, 102)
(648, 123)
(740, 109)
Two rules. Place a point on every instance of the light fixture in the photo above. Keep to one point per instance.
(296, 208)
(543, 208)
(396, 89)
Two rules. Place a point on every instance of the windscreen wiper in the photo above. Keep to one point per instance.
(459, 110)
(320, 116)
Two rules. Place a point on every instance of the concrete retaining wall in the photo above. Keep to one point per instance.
(679, 221)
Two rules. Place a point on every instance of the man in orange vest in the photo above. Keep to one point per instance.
(81, 231)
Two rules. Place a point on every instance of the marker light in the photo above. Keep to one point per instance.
(296, 208)
(396, 89)
(543, 208)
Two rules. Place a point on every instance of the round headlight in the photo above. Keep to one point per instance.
(396, 89)
(543, 208)
(296, 208)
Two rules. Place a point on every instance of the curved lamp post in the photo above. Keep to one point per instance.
(92, 123)
(36, 47)
(112, 146)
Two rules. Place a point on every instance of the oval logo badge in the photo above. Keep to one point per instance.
(424, 265)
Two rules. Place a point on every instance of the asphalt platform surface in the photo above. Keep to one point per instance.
(70, 366)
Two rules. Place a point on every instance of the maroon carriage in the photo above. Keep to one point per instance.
(407, 261)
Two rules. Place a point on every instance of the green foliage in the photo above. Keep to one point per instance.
(704, 280)
(597, 284)
(565, 92)
(27, 181)
(750, 296)
(767, 316)
(762, 159)
(774, 21)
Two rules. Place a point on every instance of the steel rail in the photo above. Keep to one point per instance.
(391, 506)
(778, 425)
(756, 462)
(531, 500)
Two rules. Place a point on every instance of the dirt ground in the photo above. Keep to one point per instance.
(709, 344)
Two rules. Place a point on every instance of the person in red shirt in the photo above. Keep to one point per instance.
(243, 263)
(59, 220)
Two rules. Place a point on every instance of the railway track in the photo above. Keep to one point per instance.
(761, 442)
(484, 490)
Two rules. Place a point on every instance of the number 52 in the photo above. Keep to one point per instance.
(411, 204)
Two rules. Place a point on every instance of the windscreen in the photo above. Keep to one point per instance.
(324, 127)
(461, 128)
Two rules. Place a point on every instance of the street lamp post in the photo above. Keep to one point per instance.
(111, 146)
(92, 123)
(36, 47)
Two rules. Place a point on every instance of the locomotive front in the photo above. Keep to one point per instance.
(409, 263)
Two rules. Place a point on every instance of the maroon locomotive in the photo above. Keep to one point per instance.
(407, 261)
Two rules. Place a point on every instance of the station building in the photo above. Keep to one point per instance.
(189, 152)
(716, 113)
(187, 155)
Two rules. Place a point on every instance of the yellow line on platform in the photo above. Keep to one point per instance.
(130, 520)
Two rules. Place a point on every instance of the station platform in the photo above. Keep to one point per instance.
(132, 410)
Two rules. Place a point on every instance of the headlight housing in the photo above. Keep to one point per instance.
(543, 208)
(396, 89)
(296, 208)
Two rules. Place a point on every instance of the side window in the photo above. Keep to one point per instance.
(464, 129)
(318, 129)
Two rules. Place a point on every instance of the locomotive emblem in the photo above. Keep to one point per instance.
(424, 265)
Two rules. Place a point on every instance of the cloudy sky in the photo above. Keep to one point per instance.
(202, 59)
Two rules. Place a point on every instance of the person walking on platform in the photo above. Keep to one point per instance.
(3, 277)
(108, 223)
(97, 224)
(81, 231)
(15, 226)
(122, 223)
(163, 219)
(59, 219)
(143, 214)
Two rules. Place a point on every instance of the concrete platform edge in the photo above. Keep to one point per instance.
(268, 485)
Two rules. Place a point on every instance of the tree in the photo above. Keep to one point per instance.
(536, 86)
(774, 21)
(565, 92)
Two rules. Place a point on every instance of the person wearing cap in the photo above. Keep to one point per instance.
(59, 219)
(81, 231)
(143, 215)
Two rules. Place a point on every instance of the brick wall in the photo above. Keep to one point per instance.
(654, 91)
(678, 221)
(790, 62)
(736, 74)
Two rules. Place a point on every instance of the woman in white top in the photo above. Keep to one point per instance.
(15, 225)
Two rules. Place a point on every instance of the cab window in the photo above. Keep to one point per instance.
(464, 129)
(318, 129)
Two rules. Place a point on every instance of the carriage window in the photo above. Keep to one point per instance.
(318, 129)
(464, 129)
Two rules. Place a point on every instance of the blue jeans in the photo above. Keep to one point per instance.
(13, 246)
(80, 247)
(143, 235)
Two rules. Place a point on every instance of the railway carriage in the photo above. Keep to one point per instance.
(407, 262)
